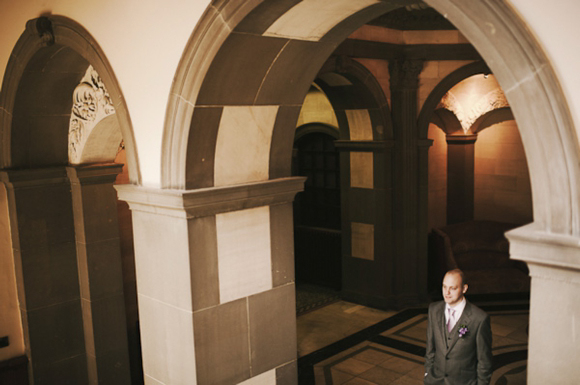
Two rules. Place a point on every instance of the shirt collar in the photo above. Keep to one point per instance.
(458, 308)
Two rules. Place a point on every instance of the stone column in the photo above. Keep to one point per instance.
(554, 332)
(100, 272)
(367, 233)
(43, 244)
(460, 177)
(423, 146)
(411, 257)
(215, 278)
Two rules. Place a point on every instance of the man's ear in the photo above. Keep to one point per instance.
(465, 288)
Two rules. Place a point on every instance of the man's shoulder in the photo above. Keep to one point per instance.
(433, 306)
(476, 311)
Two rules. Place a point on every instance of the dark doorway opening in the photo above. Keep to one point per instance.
(317, 233)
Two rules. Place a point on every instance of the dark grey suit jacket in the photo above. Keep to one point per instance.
(451, 360)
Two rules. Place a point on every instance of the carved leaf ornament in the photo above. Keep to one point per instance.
(91, 103)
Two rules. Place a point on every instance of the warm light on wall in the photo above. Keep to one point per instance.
(316, 109)
(472, 98)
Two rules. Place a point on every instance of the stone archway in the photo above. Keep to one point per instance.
(226, 106)
(75, 49)
(62, 218)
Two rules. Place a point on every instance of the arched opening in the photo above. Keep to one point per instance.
(317, 211)
(64, 120)
(355, 105)
(478, 184)
(236, 108)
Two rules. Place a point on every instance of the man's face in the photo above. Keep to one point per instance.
(453, 289)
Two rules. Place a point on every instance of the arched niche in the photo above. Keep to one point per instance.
(76, 206)
(45, 67)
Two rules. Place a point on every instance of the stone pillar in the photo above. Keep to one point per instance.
(100, 272)
(43, 241)
(423, 146)
(411, 256)
(554, 332)
(367, 233)
(460, 177)
(215, 278)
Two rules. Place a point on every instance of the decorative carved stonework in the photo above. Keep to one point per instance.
(493, 100)
(405, 73)
(91, 103)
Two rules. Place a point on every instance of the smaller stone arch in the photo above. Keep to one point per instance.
(63, 219)
(350, 87)
(310, 128)
(49, 43)
(490, 118)
(442, 88)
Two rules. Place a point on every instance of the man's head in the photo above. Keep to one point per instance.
(454, 287)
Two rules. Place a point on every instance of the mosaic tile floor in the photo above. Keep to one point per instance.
(350, 344)
(312, 297)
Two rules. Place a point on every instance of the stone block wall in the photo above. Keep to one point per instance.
(502, 181)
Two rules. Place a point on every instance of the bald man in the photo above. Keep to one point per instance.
(458, 338)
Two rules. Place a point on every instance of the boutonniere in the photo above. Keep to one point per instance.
(463, 330)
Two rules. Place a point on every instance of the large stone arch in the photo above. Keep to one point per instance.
(62, 217)
(509, 50)
(292, 58)
(221, 90)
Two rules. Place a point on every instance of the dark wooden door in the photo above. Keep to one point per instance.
(317, 235)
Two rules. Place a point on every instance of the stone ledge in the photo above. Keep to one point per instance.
(364, 145)
(34, 176)
(549, 255)
(212, 200)
(94, 174)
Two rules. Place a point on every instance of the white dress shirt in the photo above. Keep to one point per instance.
(458, 311)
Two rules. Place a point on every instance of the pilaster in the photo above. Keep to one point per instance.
(554, 264)
(411, 254)
(215, 280)
(43, 245)
(100, 272)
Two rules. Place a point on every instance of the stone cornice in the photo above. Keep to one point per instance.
(544, 251)
(461, 139)
(34, 177)
(413, 19)
(94, 174)
(387, 51)
(210, 201)
(364, 145)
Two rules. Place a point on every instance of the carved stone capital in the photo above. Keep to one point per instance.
(405, 73)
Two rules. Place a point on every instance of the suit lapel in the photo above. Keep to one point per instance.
(464, 319)
(440, 316)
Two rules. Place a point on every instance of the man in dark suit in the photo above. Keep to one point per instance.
(458, 338)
